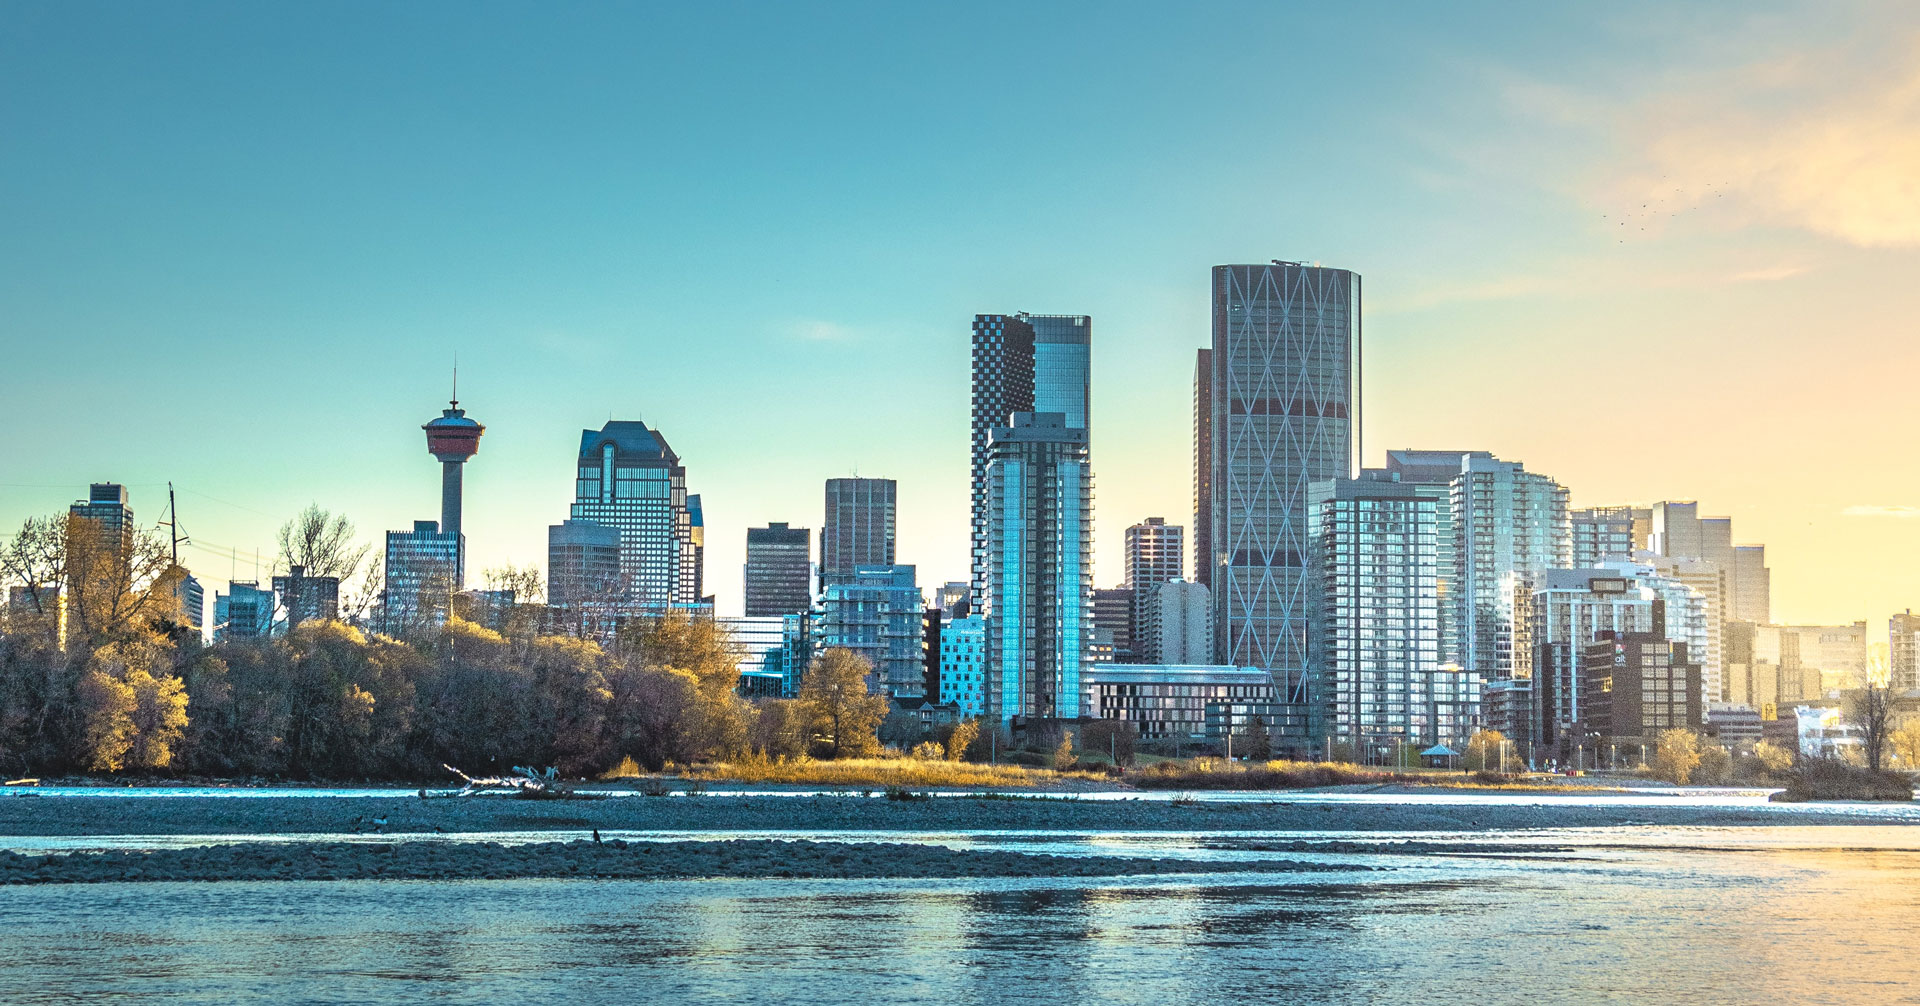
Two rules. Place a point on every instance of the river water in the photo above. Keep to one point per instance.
(1655, 915)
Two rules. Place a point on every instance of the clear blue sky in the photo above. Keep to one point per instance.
(241, 244)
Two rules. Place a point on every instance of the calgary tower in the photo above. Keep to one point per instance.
(452, 438)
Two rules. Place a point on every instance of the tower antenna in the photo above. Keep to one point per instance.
(455, 400)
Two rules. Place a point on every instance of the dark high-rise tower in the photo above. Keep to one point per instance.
(452, 438)
(779, 571)
(1284, 397)
(1023, 363)
(1204, 558)
(859, 528)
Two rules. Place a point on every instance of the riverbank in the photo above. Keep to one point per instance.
(1376, 810)
(584, 860)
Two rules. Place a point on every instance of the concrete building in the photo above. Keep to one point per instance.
(422, 570)
(1903, 651)
(1680, 533)
(630, 479)
(860, 526)
(583, 564)
(1284, 403)
(778, 577)
(1375, 658)
(1155, 553)
(1039, 574)
(876, 614)
(107, 510)
(1709, 580)
(1818, 658)
(1022, 363)
(1113, 610)
(307, 598)
(693, 571)
(245, 611)
(1181, 631)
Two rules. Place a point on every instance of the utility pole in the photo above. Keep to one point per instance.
(172, 524)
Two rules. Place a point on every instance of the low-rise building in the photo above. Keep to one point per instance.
(1178, 702)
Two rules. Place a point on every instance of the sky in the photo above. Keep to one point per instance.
(1655, 252)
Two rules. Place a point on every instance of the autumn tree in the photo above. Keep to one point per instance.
(1484, 750)
(1905, 743)
(780, 729)
(847, 716)
(103, 581)
(1676, 755)
(1773, 758)
(716, 724)
(961, 738)
(320, 543)
(1716, 766)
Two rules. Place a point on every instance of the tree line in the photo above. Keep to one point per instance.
(100, 673)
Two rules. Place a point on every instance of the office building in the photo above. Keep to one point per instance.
(106, 509)
(1205, 558)
(693, 572)
(1680, 533)
(1155, 553)
(1284, 403)
(1752, 585)
(422, 570)
(759, 648)
(1022, 363)
(1816, 659)
(1603, 534)
(1377, 679)
(859, 526)
(1903, 652)
(1039, 573)
(1710, 581)
(963, 664)
(1432, 473)
(244, 612)
(1191, 704)
(954, 598)
(193, 603)
(1181, 630)
(630, 479)
(307, 598)
(1637, 684)
(1113, 621)
(583, 564)
(778, 579)
(876, 614)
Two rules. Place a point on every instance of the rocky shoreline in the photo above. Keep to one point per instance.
(26, 815)
(587, 860)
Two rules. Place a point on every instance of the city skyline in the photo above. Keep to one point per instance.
(1712, 305)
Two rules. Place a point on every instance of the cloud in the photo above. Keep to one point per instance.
(1872, 510)
(1827, 142)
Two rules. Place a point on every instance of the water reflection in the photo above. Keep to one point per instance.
(1627, 924)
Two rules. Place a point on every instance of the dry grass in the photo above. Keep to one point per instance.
(1212, 773)
(880, 772)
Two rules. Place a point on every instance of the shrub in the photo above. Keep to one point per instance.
(1832, 779)
(1715, 768)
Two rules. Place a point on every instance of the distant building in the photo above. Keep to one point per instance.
(954, 598)
(693, 571)
(1155, 553)
(1508, 523)
(583, 564)
(1375, 658)
(1819, 658)
(453, 439)
(1188, 704)
(1182, 627)
(1903, 651)
(759, 647)
(860, 526)
(876, 615)
(422, 572)
(963, 664)
(1638, 684)
(1680, 534)
(193, 603)
(1039, 574)
(1604, 534)
(1205, 559)
(1113, 620)
(630, 479)
(778, 579)
(1284, 405)
(106, 508)
(244, 612)
(307, 598)
(1034, 363)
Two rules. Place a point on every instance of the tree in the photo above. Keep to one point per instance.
(779, 729)
(1063, 754)
(105, 582)
(1117, 739)
(320, 543)
(1676, 755)
(1716, 766)
(1873, 712)
(1259, 740)
(716, 723)
(1772, 757)
(836, 691)
(962, 738)
(1484, 750)
(1905, 743)
(134, 708)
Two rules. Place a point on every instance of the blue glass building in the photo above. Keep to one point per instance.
(1039, 596)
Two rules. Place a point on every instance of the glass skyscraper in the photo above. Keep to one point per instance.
(1284, 399)
(1022, 363)
(1039, 594)
(630, 479)
(1509, 523)
(877, 615)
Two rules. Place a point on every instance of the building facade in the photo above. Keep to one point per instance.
(1603, 534)
(1638, 684)
(245, 611)
(583, 565)
(1113, 621)
(1039, 596)
(1508, 524)
(1284, 400)
(1188, 704)
(422, 572)
(859, 528)
(307, 598)
(1205, 557)
(1181, 630)
(876, 615)
(1903, 651)
(630, 479)
(778, 578)
(963, 664)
